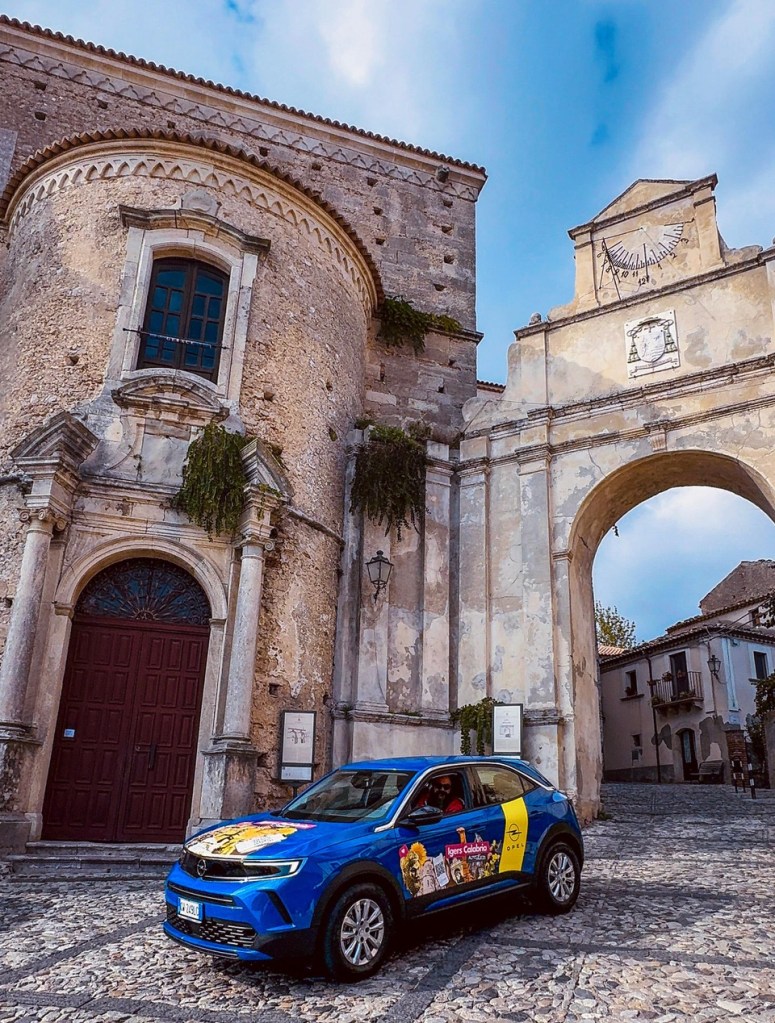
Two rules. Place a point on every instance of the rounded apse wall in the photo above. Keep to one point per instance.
(302, 380)
(72, 271)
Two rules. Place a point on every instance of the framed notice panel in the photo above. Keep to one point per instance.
(297, 745)
(507, 729)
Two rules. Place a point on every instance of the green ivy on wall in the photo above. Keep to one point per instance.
(401, 324)
(389, 480)
(212, 492)
(475, 717)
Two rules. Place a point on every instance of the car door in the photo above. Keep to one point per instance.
(451, 859)
(503, 795)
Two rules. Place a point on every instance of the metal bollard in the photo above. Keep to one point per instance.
(737, 772)
(751, 781)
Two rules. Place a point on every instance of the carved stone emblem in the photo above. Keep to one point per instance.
(651, 344)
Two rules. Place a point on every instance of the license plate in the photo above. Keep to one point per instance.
(190, 910)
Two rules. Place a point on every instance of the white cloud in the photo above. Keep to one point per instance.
(391, 66)
(702, 109)
(355, 44)
(714, 114)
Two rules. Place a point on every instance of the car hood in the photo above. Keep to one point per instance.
(269, 837)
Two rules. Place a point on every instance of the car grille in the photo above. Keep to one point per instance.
(192, 893)
(219, 932)
(223, 869)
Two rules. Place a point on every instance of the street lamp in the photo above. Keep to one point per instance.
(379, 569)
(714, 664)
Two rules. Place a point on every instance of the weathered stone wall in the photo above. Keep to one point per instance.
(592, 422)
(302, 388)
(418, 229)
(349, 217)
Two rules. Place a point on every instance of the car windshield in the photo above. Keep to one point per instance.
(349, 796)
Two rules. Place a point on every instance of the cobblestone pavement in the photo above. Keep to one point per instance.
(674, 923)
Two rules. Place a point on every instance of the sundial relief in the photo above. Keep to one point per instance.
(654, 235)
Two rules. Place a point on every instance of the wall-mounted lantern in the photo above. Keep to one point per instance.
(714, 664)
(379, 569)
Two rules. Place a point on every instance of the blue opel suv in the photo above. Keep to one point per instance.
(332, 875)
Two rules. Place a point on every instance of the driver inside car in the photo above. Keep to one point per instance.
(439, 793)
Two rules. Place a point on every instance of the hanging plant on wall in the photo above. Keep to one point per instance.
(212, 493)
(475, 717)
(389, 480)
(402, 324)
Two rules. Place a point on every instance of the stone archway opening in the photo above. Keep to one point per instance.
(124, 751)
(611, 499)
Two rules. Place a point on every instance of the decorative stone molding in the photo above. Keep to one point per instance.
(387, 718)
(264, 471)
(171, 395)
(52, 456)
(152, 154)
(192, 220)
(457, 184)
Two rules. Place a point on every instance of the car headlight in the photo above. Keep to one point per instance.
(235, 868)
(272, 868)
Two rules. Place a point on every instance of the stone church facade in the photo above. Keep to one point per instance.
(175, 254)
(145, 664)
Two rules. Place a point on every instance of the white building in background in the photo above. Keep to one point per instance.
(693, 688)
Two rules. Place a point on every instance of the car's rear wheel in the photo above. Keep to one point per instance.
(357, 933)
(558, 879)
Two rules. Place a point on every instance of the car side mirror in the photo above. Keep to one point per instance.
(422, 815)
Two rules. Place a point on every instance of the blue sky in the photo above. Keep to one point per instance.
(565, 104)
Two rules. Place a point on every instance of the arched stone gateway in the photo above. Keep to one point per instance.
(657, 375)
(124, 751)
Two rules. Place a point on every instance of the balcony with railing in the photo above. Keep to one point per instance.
(680, 692)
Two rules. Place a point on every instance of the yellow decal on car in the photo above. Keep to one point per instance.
(514, 835)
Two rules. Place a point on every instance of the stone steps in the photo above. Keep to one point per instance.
(92, 861)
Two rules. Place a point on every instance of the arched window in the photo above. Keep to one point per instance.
(183, 326)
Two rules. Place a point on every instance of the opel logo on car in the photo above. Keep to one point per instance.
(201, 868)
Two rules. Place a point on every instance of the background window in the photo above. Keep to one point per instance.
(760, 664)
(630, 683)
(184, 318)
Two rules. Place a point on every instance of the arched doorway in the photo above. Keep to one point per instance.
(124, 751)
(605, 504)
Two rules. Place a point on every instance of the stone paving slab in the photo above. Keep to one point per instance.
(674, 924)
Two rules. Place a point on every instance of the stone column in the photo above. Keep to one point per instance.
(372, 670)
(347, 639)
(565, 738)
(239, 695)
(17, 740)
(51, 457)
(473, 646)
(228, 784)
(15, 667)
(436, 568)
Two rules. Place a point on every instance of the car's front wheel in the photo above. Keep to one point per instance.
(357, 933)
(558, 880)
